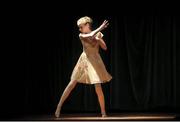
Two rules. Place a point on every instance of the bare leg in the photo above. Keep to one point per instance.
(100, 95)
(64, 96)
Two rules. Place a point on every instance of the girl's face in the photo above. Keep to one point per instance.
(84, 28)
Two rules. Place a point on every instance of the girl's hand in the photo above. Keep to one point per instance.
(104, 25)
(99, 35)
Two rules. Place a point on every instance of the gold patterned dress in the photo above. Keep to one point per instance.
(90, 68)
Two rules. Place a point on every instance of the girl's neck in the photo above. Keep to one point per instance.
(89, 31)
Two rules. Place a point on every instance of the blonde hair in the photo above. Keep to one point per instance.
(84, 20)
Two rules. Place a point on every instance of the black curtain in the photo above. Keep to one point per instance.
(142, 56)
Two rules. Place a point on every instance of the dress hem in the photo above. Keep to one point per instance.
(84, 82)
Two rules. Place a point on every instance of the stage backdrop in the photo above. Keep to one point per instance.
(142, 57)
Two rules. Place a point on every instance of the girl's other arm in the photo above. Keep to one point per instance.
(101, 41)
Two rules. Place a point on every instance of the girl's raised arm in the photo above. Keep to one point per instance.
(93, 33)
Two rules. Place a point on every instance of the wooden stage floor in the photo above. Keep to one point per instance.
(114, 116)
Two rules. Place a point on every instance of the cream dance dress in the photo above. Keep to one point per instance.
(90, 68)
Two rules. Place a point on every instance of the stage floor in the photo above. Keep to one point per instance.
(89, 117)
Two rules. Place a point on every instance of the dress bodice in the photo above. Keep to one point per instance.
(91, 46)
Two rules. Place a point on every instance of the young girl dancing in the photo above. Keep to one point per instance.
(90, 68)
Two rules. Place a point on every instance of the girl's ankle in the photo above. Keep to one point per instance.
(103, 114)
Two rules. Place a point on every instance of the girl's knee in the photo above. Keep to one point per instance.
(98, 87)
(72, 83)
